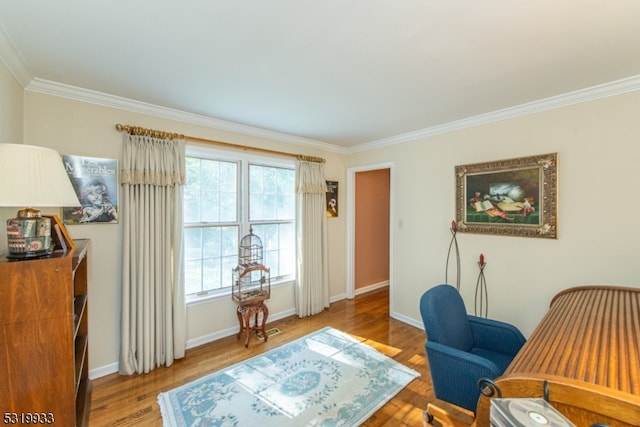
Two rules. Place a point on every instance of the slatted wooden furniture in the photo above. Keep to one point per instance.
(44, 359)
(587, 347)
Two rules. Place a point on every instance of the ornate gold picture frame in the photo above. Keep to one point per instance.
(514, 197)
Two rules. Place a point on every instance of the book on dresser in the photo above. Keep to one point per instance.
(44, 337)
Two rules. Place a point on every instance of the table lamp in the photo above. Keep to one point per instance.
(32, 176)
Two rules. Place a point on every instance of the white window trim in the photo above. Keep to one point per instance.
(244, 159)
(224, 294)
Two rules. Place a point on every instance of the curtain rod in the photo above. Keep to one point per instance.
(136, 130)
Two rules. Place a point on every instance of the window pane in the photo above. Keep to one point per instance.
(228, 206)
(286, 249)
(228, 191)
(271, 193)
(229, 242)
(210, 174)
(193, 277)
(192, 191)
(192, 244)
(228, 263)
(210, 194)
(278, 245)
(210, 254)
(211, 274)
(210, 202)
(211, 242)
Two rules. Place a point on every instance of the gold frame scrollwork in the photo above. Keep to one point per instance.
(513, 197)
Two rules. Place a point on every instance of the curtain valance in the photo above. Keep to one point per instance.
(310, 178)
(152, 161)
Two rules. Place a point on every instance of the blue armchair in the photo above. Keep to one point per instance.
(462, 348)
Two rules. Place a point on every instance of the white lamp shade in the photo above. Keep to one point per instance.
(33, 176)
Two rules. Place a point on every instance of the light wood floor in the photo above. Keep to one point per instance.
(132, 400)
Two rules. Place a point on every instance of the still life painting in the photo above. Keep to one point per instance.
(515, 197)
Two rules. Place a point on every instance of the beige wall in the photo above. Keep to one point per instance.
(597, 144)
(86, 129)
(598, 235)
(11, 107)
(11, 110)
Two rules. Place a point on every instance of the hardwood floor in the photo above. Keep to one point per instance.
(132, 400)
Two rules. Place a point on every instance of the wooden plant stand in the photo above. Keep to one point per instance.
(245, 311)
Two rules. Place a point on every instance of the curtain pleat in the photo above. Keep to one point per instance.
(312, 288)
(153, 319)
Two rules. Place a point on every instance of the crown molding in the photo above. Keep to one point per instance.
(617, 87)
(580, 96)
(16, 66)
(48, 87)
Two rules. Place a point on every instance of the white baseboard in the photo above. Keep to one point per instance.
(205, 339)
(103, 371)
(408, 320)
(369, 288)
(337, 298)
(112, 368)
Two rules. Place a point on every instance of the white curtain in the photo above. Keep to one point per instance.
(153, 331)
(312, 289)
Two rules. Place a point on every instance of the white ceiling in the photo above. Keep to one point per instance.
(343, 72)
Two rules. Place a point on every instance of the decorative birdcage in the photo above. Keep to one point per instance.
(251, 279)
(250, 249)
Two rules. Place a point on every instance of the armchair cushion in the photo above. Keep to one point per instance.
(495, 340)
(455, 374)
(501, 360)
(445, 319)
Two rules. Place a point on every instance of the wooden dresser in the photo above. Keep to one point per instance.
(587, 347)
(43, 339)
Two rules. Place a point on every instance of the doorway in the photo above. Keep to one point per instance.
(370, 215)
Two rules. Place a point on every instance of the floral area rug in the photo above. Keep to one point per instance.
(327, 378)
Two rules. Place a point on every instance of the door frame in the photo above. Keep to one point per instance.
(351, 221)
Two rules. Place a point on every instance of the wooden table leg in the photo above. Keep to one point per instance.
(265, 314)
(244, 313)
(240, 321)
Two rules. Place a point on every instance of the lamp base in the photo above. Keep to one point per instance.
(29, 255)
(29, 213)
(29, 235)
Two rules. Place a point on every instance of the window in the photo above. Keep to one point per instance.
(218, 211)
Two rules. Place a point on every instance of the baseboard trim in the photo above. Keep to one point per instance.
(405, 319)
(103, 371)
(205, 339)
(369, 288)
(112, 368)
